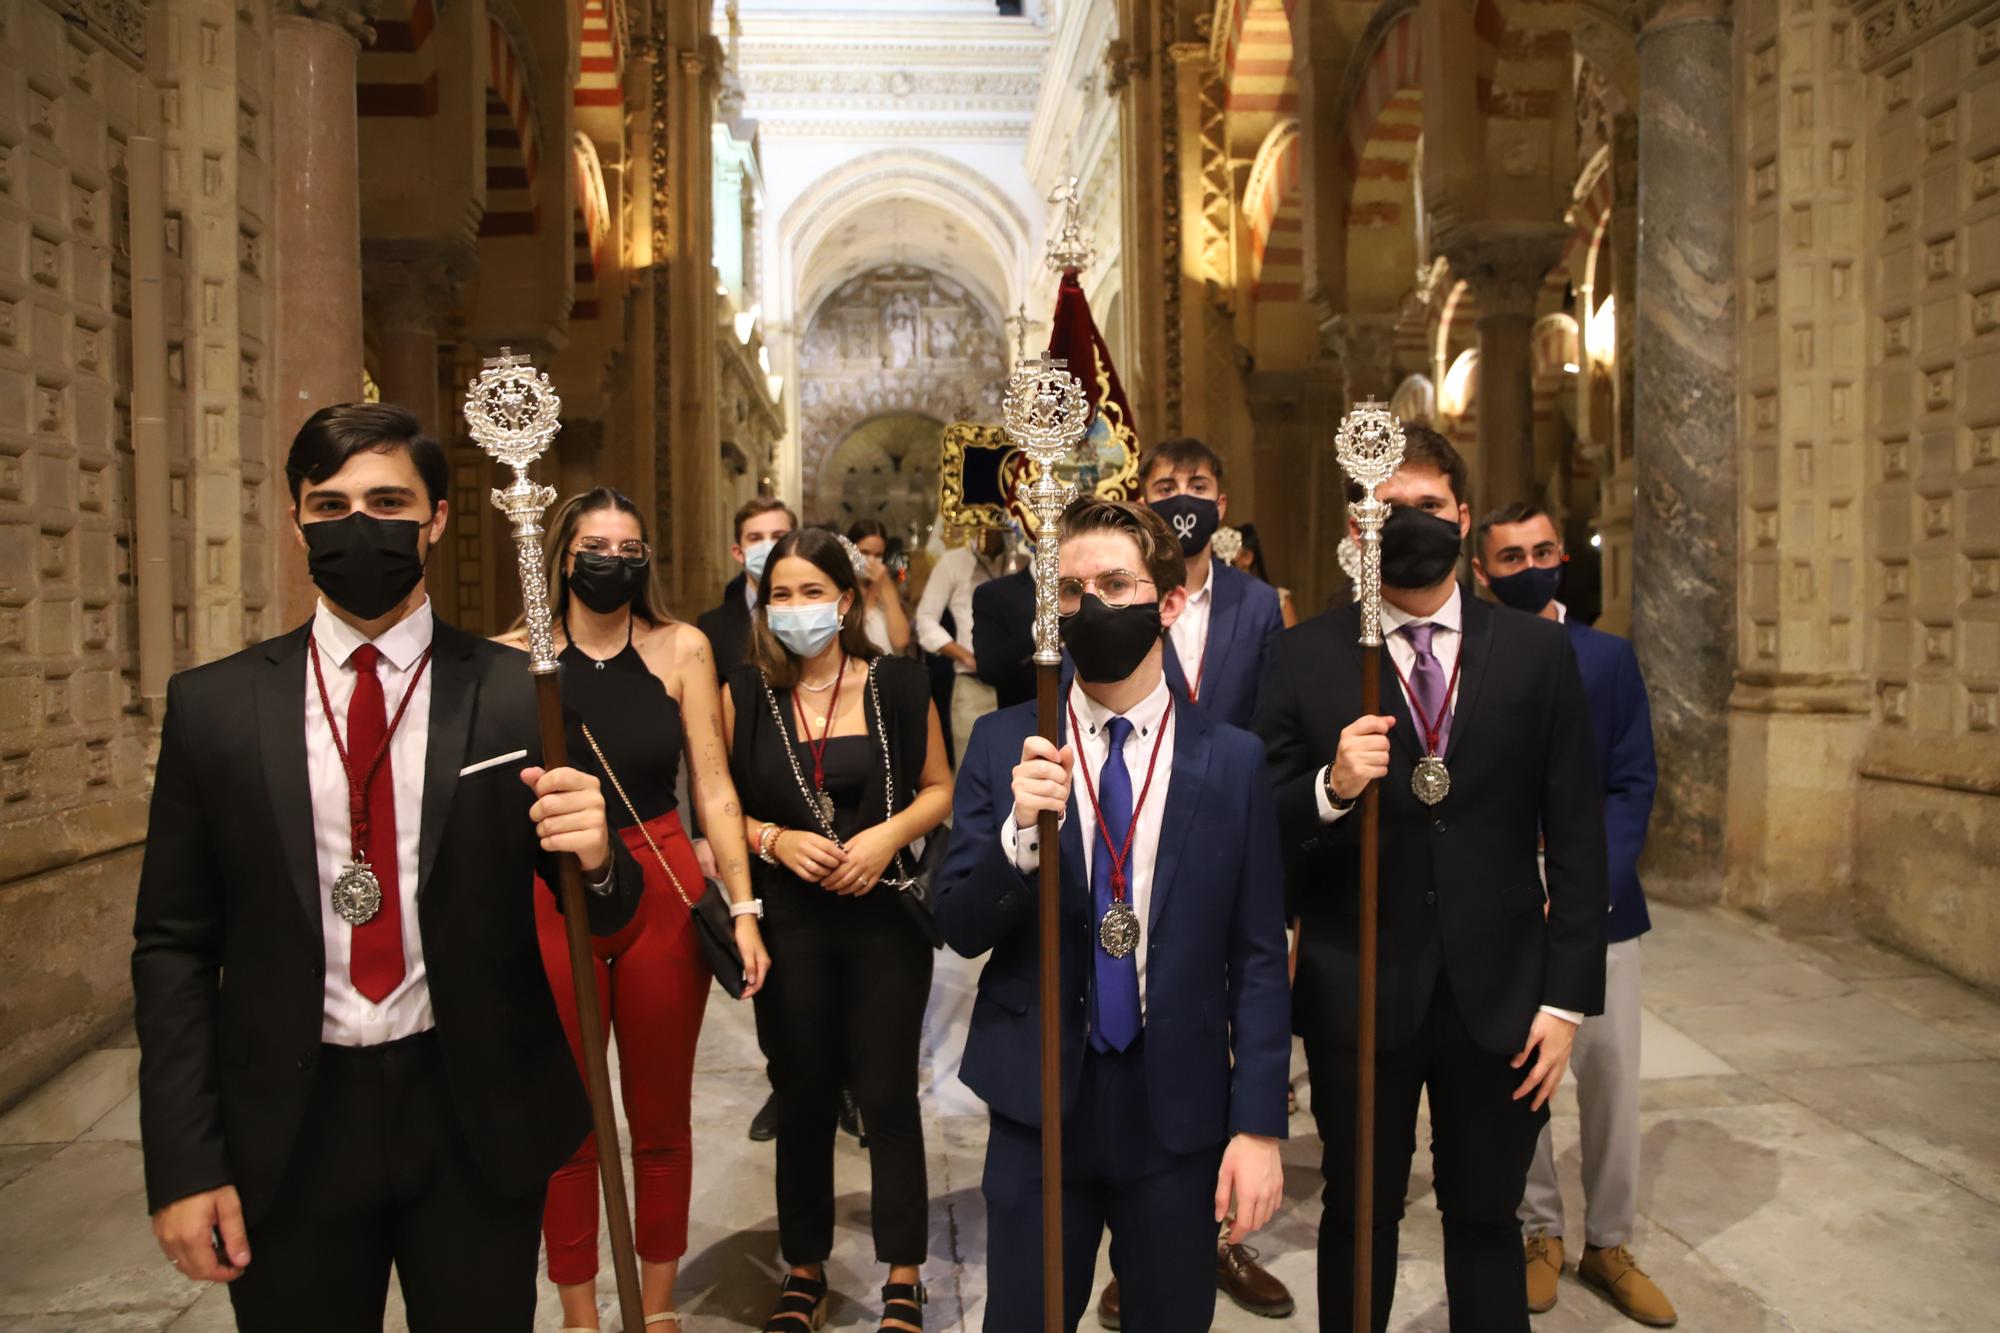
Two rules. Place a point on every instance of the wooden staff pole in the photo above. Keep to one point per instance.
(1369, 446)
(1047, 415)
(1048, 719)
(514, 414)
(1364, 1045)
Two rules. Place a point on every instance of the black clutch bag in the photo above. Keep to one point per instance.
(912, 890)
(714, 928)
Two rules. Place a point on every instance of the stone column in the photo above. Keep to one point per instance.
(1614, 510)
(1684, 423)
(316, 223)
(410, 289)
(1506, 264)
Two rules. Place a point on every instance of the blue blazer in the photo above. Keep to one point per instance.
(1218, 1006)
(1242, 618)
(1624, 724)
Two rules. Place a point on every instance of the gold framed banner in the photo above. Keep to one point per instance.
(975, 489)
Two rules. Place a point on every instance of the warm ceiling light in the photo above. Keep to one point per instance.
(1455, 395)
(1600, 336)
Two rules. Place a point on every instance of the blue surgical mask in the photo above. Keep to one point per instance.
(806, 630)
(755, 558)
(1528, 589)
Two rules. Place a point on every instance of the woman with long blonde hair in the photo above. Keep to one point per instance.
(639, 694)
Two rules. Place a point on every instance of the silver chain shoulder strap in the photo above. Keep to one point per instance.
(792, 755)
(644, 832)
(903, 879)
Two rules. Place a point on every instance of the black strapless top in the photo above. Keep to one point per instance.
(636, 722)
(849, 761)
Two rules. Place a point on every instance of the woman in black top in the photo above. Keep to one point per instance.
(638, 691)
(840, 759)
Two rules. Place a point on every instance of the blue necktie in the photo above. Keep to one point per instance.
(1117, 978)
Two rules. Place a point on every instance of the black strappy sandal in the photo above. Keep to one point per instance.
(898, 1297)
(802, 1304)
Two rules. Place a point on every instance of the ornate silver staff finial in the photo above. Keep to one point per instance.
(1369, 446)
(1069, 248)
(1227, 544)
(514, 414)
(1046, 414)
(1348, 553)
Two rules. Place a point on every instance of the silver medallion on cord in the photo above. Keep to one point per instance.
(1431, 781)
(357, 894)
(824, 802)
(1118, 931)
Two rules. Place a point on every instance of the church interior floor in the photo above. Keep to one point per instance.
(1821, 1153)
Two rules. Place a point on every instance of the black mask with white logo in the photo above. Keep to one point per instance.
(1193, 518)
(1108, 643)
(1419, 550)
(365, 565)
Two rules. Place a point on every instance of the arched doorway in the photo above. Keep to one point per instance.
(886, 469)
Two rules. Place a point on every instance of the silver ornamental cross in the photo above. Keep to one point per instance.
(514, 414)
(1369, 446)
(1046, 414)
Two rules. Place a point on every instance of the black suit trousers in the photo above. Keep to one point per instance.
(383, 1176)
(1481, 1144)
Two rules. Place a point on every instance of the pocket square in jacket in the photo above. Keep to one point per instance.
(494, 762)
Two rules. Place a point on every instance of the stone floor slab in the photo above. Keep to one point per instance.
(74, 1100)
(1956, 1010)
(1850, 1029)
(1942, 1116)
(77, 1242)
(1839, 1234)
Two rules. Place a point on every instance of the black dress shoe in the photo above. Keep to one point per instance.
(850, 1117)
(764, 1125)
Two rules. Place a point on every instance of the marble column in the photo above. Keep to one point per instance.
(316, 223)
(1684, 424)
(1614, 511)
(1505, 262)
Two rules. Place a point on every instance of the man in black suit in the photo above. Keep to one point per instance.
(759, 524)
(1483, 978)
(349, 1054)
(1003, 635)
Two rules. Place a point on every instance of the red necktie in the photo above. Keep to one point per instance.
(375, 963)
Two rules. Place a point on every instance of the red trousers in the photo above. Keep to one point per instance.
(652, 984)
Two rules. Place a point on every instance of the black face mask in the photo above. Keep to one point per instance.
(1528, 589)
(604, 583)
(1419, 550)
(1193, 518)
(1108, 643)
(365, 565)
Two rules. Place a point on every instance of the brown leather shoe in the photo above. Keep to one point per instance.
(1617, 1274)
(1545, 1265)
(1239, 1277)
(1107, 1305)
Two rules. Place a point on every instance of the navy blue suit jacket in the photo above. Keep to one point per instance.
(1624, 723)
(1242, 617)
(1218, 1007)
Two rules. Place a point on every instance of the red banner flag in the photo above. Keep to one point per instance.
(1111, 467)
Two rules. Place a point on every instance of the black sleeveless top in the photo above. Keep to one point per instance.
(769, 786)
(636, 722)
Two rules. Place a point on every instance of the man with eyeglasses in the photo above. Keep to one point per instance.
(1175, 1017)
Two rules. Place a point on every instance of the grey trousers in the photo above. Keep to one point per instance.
(1605, 1064)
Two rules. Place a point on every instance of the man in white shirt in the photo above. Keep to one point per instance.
(949, 589)
(1175, 1031)
(1484, 743)
(349, 1058)
(1215, 650)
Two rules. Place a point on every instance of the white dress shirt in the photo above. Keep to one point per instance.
(1449, 633)
(1189, 633)
(1152, 724)
(956, 574)
(350, 1018)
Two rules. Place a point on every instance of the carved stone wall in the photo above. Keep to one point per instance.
(75, 742)
(1864, 775)
(897, 339)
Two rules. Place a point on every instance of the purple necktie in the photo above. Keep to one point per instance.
(1427, 683)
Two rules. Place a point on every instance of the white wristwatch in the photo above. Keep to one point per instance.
(748, 907)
